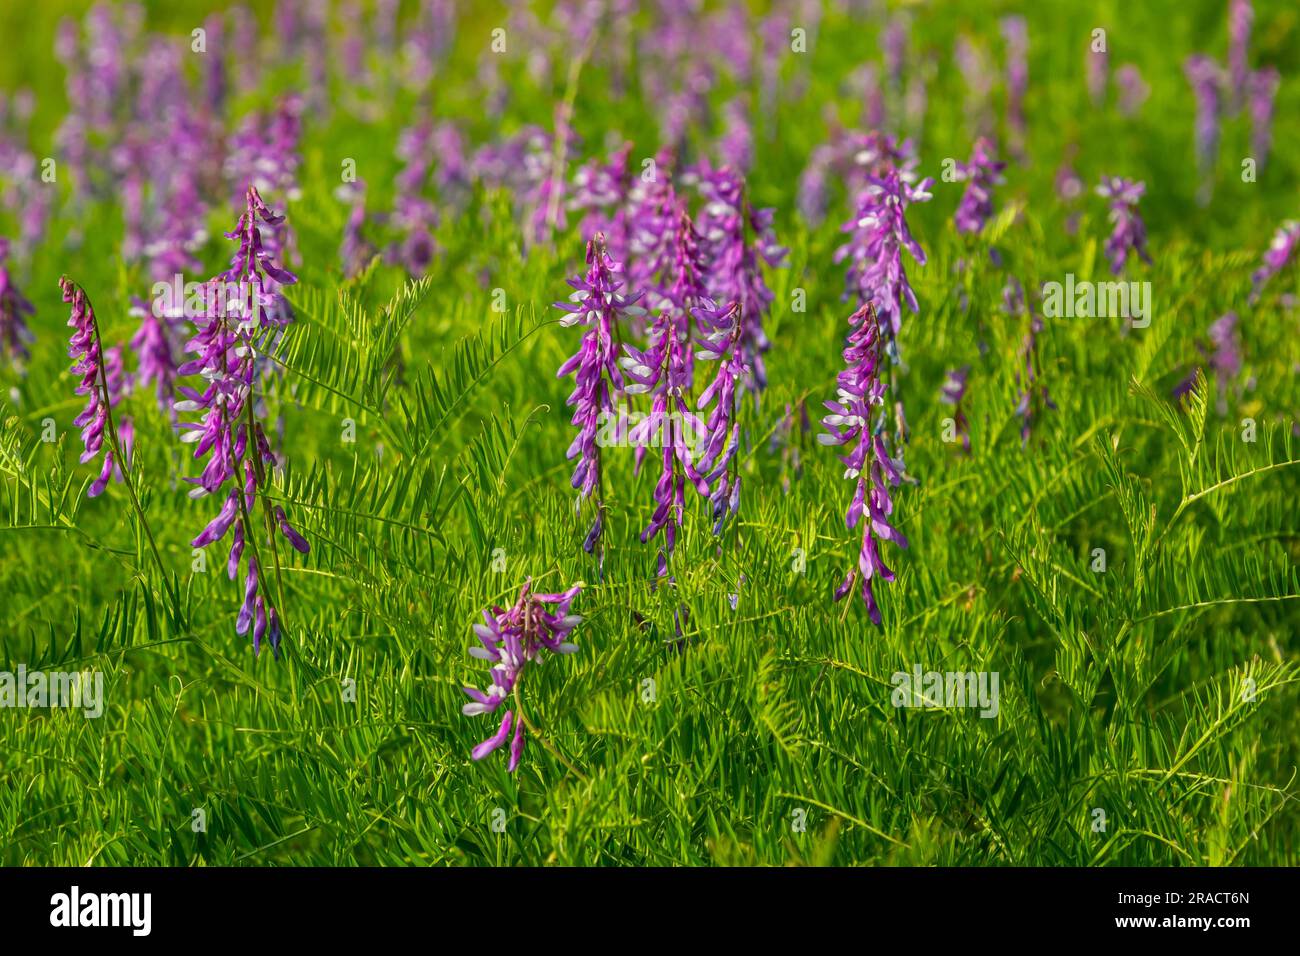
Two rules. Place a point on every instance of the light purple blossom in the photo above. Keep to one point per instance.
(1276, 256)
(1015, 33)
(1240, 17)
(721, 340)
(1206, 79)
(1097, 74)
(981, 174)
(1128, 233)
(14, 307)
(855, 419)
(96, 419)
(511, 640)
(230, 433)
(953, 393)
(726, 224)
(1261, 96)
(879, 234)
(1133, 90)
(597, 306)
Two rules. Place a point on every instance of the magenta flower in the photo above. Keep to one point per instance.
(721, 341)
(1129, 233)
(665, 371)
(1261, 95)
(512, 639)
(1276, 257)
(734, 273)
(101, 380)
(1097, 75)
(1206, 79)
(242, 315)
(1240, 17)
(1016, 35)
(597, 306)
(876, 274)
(1133, 90)
(14, 334)
(856, 418)
(981, 174)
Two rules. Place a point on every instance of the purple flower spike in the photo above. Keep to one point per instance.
(511, 640)
(1129, 233)
(1206, 79)
(1016, 35)
(1133, 90)
(856, 419)
(101, 378)
(1240, 17)
(876, 274)
(240, 321)
(1279, 253)
(734, 261)
(1262, 93)
(713, 471)
(14, 334)
(597, 306)
(981, 174)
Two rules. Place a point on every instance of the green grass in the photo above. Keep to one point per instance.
(1123, 691)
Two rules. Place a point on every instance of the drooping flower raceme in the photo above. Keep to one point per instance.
(597, 306)
(665, 370)
(242, 311)
(855, 421)
(734, 261)
(1128, 232)
(1278, 255)
(1261, 93)
(1225, 360)
(1206, 79)
(96, 420)
(1240, 17)
(1016, 35)
(1133, 90)
(981, 174)
(512, 639)
(720, 341)
(876, 274)
(14, 334)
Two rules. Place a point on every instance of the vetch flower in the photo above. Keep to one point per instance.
(734, 272)
(230, 433)
(1129, 233)
(856, 419)
(981, 174)
(953, 392)
(1261, 92)
(597, 306)
(511, 640)
(1206, 79)
(14, 334)
(1015, 34)
(1276, 257)
(876, 273)
(721, 337)
(1133, 90)
(1240, 17)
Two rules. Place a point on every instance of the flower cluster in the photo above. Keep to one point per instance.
(14, 334)
(721, 337)
(860, 399)
(876, 274)
(981, 174)
(230, 434)
(512, 639)
(1129, 233)
(1206, 80)
(597, 306)
(734, 274)
(101, 379)
(1279, 253)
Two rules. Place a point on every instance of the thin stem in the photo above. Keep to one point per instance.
(119, 459)
(532, 730)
